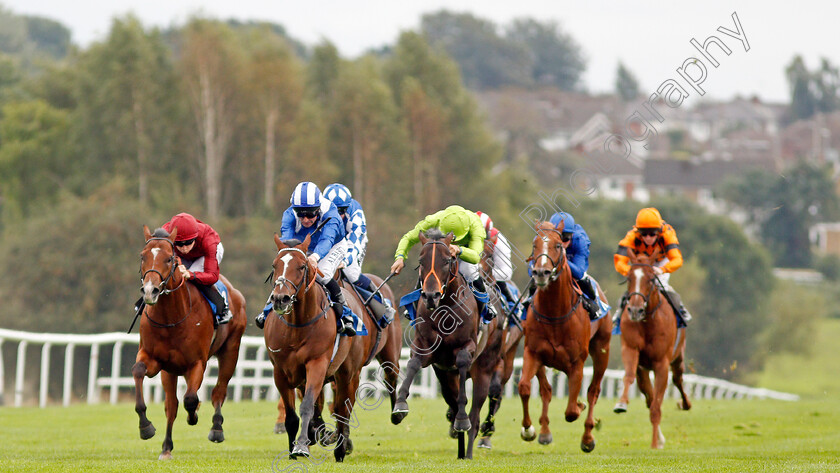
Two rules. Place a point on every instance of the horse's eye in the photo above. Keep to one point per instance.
(302, 267)
(558, 246)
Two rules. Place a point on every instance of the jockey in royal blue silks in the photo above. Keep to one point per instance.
(356, 240)
(576, 242)
(327, 246)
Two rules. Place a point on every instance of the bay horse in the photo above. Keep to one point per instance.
(306, 351)
(176, 332)
(385, 346)
(559, 334)
(447, 329)
(650, 340)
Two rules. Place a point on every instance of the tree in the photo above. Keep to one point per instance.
(626, 85)
(557, 58)
(210, 67)
(812, 92)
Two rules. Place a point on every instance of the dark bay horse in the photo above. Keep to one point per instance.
(559, 334)
(448, 336)
(383, 344)
(307, 352)
(650, 340)
(176, 332)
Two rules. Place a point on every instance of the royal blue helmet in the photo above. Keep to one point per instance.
(567, 219)
(339, 194)
(306, 194)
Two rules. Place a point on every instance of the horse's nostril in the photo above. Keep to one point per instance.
(437, 295)
(285, 299)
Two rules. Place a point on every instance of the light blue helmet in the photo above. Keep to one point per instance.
(567, 219)
(339, 194)
(306, 194)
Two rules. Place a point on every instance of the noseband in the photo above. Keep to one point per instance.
(163, 281)
(644, 297)
(281, 280)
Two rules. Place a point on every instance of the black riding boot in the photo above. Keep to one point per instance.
(676, 303)
(222, 313)
(532, 288)
(621, 304)
(505, 289)
(338, 302)
(491, 311)
(384, 313)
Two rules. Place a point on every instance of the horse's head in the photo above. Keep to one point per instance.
(157, 263)
(547, 253)
(293, 273)
(640, 284)
(437, 266)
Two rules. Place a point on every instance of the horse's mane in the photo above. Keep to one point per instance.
(434, 234)
(160, 233)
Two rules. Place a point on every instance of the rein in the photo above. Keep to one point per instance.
(452, 275)
(555, 266)
(644, 297)
(164, 282)
(287, 283)
(555, 274)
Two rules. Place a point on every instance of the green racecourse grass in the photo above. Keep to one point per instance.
(730, 436)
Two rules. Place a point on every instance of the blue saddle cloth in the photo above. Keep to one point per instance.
(365, 294)
(220, 286)
(408, 301)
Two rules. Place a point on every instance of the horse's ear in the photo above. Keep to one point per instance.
(561, 225)
(304, 245)
(278, 242)
(423, 238)
(173, 234)
(537, 225)
(448, 238)
(146, 233)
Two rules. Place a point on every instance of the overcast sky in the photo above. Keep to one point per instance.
(650, 37)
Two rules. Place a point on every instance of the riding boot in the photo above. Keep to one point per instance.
(259, 320)
(587, 287)
(676, 303)
(527, 302)
(621, 304)
(383, 311)
(222, 314)
(339, 305)
(505, 290)
(478, 284)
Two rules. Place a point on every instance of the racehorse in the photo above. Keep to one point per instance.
(175, 338)
(559, 334)
(385, 346)
(449, 337)
(306, 351)
(650, 340)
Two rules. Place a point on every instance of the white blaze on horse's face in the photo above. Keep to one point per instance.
(285, 259)
(155, 252)
(639, 275)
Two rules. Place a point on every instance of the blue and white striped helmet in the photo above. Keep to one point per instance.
(339, 194)
(306, 194)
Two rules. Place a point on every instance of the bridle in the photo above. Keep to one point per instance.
(644, 297)
(282, 280)
(163, 281)
(452, 274)
(555, 266)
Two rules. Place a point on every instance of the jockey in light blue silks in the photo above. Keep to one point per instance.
(576, 242)
(327, 246)
(356, 240)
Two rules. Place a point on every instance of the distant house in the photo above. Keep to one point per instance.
(826, 237)
(695, 179)
(614, 177)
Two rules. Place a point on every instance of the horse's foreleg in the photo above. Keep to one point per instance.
(194, 377)
(529, 369)
(462, 362)
(481, 386)
(316, 370)
(139, 371)
(287, 400)
(495, 401)
(345, 399)
(600, 360)
(660, 372)
(170, 384)
(545, 396)
(574, 406)
(280, 425)
(630, 359)
(227, 357)
(677, 370)
(400, 409)
(643, 381)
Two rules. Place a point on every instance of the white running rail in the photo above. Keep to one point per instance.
(254, 373)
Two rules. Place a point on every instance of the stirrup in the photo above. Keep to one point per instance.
(224, 318)
(259, 320)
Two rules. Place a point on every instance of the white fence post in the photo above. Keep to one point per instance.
(93, 371)
(68, 374)
(45, 375)
(21, 365)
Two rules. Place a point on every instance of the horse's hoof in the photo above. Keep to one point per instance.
(165, 456)
(587, 447)
(461, 425)
(487, 428)
(300, 451)
(280, 428)
(328, 437)
(683, 406)
(484, 442)
(192, 418)
(147, 432)
(528, 434)
(348, 446)
(217, 436)
(620, 408)
(397, 417)
(546, 439)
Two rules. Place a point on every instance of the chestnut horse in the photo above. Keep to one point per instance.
(385, 346)
(306, 351)
(176, 332)
(650, 340)
(447, 337)
(559, 334)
